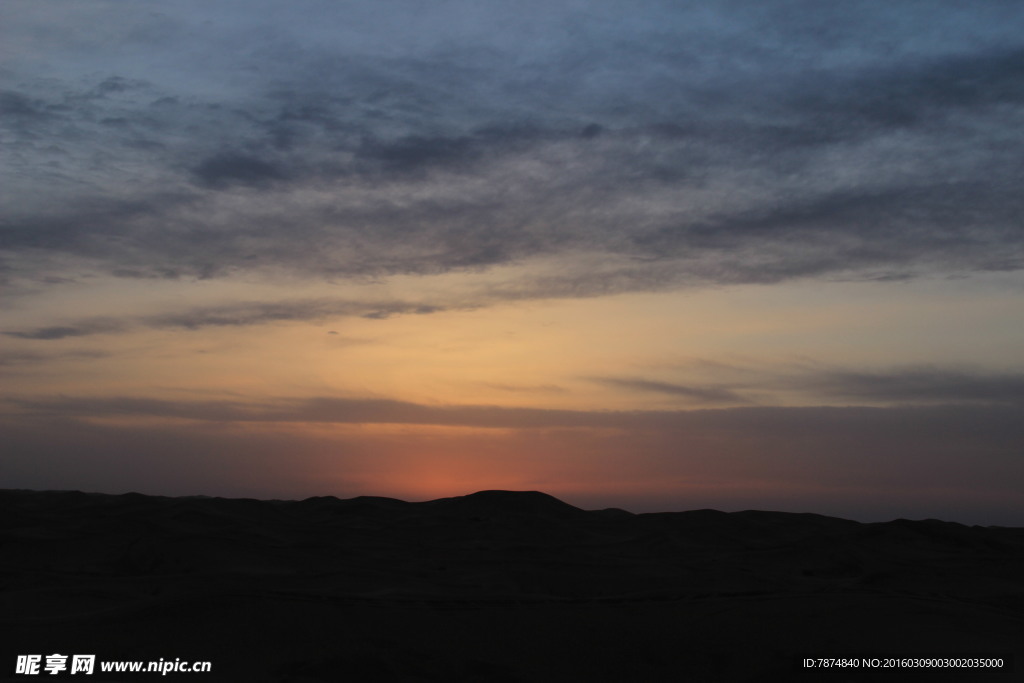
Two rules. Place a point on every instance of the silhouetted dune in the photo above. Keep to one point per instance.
(506, 503)
(496, 585)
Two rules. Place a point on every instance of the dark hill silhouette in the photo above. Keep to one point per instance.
(495, 585)
(505, 503)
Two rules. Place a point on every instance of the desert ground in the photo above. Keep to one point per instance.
(496, 586)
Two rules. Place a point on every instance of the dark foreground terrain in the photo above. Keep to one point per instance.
(494, 586)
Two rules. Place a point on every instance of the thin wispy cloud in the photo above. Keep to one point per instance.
(232, 315)
(793, 420)
(698, 393)
(927, 385)
(899, 386)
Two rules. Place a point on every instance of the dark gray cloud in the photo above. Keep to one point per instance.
(227, 169)
(416, 153)
(906, 386)
(852, 102)
(739, 143)
(921, 386)
(232, 315)
(759, 420)
(18, 107)
(946, 226)
(331, 410)
(258, 313)
(698, 393)
(14, 360)
(81, 328)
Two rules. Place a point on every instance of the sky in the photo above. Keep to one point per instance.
(652, 255)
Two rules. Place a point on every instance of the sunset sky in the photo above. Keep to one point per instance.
(656, 255)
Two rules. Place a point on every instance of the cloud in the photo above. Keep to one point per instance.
(734, 144)
(417, 153)
(526, 389)
(389, 411)
(19, 359)
(227, 169)
(258, 313)
(320, 409)
(920, 385)
(702, 394)
(81, 328)
(237, 314)
(898, 386)
(15, 106)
